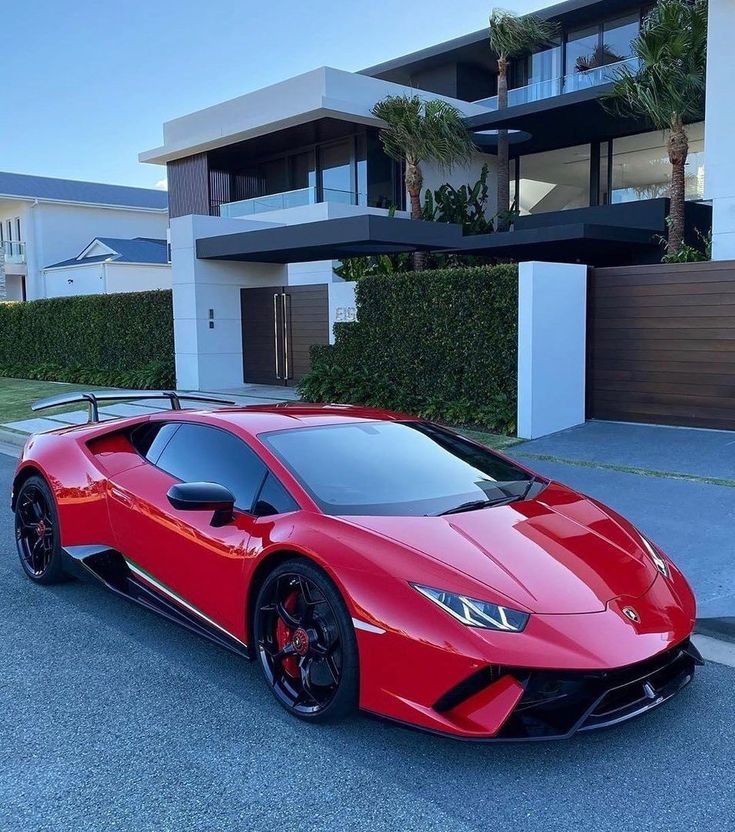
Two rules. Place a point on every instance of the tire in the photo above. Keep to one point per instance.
(37, 532)
(306, 643)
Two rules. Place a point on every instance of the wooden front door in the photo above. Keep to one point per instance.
(279, 326)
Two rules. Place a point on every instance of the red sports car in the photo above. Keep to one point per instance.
(365, 559)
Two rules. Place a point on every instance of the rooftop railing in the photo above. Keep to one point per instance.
(14, 251)
(579, 80)
(287, 199)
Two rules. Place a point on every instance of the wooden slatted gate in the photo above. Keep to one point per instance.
(661, 344)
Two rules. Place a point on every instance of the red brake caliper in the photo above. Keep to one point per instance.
(284, 635)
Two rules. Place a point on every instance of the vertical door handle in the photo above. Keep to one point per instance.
(275, 334)
(286, 327)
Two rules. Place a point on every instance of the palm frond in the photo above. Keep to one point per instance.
(670, 81)
(416, 130)
(511, 35)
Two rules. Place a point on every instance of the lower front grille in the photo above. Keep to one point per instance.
(556, 704)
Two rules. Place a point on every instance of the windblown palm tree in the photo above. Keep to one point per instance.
(416, 131)
(668, 89)
(510, 37)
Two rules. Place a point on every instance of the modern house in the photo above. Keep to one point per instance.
(268, 189)
(110, 266)
(44, 221)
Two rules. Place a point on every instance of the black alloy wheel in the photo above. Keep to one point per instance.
(37, 532)
(306, 642)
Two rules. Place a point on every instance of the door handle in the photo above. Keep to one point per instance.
(275, 333)
(120, 496)
(286, 322)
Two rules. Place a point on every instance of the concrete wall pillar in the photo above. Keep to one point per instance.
(211, 358)
(719, 125)
(552, 327)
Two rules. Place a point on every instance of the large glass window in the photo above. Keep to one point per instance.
(617, 35)
(392, 468)
(641, 167)
(536, 77)
(302, 170)
(555, 180)
(582, 49)
(335, 161)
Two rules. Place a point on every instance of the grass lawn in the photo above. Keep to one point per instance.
(492, 440)
(16, 395)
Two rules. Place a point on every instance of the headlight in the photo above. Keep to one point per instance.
(476, 613)
(658, 561)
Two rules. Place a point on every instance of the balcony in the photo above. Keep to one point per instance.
(559, 86)
(14, 252)
(288, 199)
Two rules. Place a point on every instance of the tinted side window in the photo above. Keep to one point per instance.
(274, 499)
(159, 441)
(197, 453)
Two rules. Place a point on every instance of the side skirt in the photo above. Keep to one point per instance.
(110, 568)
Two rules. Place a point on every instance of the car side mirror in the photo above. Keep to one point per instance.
(204, 496)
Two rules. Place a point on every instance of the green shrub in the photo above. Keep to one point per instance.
(441, 344)
(123, 340)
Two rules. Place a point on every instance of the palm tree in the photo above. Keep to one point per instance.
(511, 36)
(417, 130)
(668, 88)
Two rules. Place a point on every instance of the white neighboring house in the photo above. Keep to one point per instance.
(45, 220)
(109, 266)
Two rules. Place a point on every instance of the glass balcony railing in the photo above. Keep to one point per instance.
(14, 251)
(579, 80)
(287, 199)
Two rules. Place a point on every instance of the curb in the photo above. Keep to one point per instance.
(11, 443)
(722, 629)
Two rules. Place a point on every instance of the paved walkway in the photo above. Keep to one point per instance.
(246, 394)
(676, 484)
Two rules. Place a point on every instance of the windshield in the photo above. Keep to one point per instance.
(395, 468)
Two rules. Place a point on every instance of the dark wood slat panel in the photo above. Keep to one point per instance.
(661, 344)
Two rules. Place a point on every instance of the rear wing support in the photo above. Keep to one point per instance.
(92, 398)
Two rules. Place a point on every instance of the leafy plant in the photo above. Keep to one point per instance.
(464, 206)
(510, 37)
(688, 253)
(416, 130)
(441, 344)
(123, 340)
(668, 89)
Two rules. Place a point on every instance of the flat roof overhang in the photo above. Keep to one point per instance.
(579, 241)
(565, 120)
(366, 234)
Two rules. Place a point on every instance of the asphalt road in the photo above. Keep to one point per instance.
(113, 719)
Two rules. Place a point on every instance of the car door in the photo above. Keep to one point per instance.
(180, 552)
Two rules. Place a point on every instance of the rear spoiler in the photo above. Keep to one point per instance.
(93, 398)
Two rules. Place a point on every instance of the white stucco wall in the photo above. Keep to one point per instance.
(211, 359)
(552, 327)
(719, 127)
(105, 278)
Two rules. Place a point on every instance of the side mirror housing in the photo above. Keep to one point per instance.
(204, 496)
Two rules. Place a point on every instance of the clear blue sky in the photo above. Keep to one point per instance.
(89, 83)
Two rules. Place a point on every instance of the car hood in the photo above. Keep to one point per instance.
(557, 553)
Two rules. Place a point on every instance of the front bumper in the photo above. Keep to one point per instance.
(555, 705)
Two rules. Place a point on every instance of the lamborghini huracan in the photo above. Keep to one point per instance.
(365, 559)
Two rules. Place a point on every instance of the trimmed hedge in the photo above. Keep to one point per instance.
(122, 340)
(442, 344)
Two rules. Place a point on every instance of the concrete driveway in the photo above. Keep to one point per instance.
(676, 484)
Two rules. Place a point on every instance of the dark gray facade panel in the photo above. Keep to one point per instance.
(188, 186)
